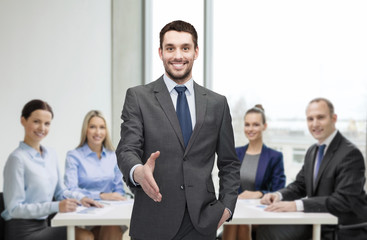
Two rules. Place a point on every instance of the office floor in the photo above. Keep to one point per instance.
(126, 235)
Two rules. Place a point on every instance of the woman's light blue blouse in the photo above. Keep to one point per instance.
(31, 180)
(89, 175)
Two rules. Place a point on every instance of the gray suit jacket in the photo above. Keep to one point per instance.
(183, 175)
(341, 179)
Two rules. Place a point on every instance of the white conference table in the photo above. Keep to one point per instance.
(251, 212)
(247, 212)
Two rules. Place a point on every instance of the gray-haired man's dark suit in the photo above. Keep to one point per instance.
(183, 175)
(339, 183)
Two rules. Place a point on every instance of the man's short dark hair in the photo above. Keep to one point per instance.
(179, 26)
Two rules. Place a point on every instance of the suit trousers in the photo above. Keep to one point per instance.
(188, 232)
(284, 232)
(32, 229)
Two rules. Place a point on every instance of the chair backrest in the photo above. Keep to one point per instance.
(2, 221)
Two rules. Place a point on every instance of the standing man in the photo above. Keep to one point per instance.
(331, 178)
(172, 128)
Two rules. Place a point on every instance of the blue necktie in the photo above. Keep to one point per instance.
(183, 113)
(320, 155)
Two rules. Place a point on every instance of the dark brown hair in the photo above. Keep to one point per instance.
(258, 108)
(179, 26)
(34, 105)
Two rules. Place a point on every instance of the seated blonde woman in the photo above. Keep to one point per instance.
(92, 170)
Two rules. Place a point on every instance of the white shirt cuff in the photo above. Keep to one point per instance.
(230, 212)
(280, 195)
(132, 174)
(299, 205)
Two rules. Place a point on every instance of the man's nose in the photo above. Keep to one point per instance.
(178, 54)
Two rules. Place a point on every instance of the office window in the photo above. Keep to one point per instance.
(298, 155)
(165, 11)
(282, 54)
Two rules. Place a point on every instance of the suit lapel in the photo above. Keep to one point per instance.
(262, 166)
(165, 100)
(200, 103)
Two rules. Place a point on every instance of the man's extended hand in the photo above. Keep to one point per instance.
(144, 176)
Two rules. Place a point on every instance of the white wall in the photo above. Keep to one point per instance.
(58, 51)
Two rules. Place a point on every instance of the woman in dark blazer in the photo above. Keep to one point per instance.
(270, 175)
(262, 169)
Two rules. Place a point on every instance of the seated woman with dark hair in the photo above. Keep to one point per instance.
(32, 180)
(262, 169)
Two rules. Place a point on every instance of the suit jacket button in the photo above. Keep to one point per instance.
(182, 187)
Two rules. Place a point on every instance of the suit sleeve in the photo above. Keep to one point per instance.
(297, 189)
(349, 184)
(227, 162)
(130, 148)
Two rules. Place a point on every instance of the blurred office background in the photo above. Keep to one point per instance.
(80, 55)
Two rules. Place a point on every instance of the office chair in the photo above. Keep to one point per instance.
(348, 227)
(2, 221)
(359, 208)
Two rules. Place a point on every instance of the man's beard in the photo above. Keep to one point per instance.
(178, 78)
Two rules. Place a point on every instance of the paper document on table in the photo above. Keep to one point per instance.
(92, 210)
(107, 202)
(250, 201)
(260, 207)
(254, 203)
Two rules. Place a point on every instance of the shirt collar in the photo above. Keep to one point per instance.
(328, 140)
(31, 151)
(172, 84)
(87, 151)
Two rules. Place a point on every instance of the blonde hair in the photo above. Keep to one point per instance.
(107, 143)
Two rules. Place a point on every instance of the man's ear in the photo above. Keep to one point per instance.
(196, 52)
(334, 117)
(160, 53)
